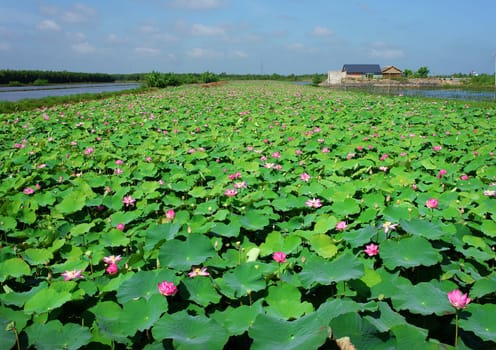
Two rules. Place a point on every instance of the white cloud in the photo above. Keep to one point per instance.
(147, 51)
(196, 4)
(239, 54)
(382, 50)
(299, 47)
(83, 48)
(76, 36)
(48, 25)
(203, 30)
(78, 13)
(321, 31)
(203, 53)
(148, 29)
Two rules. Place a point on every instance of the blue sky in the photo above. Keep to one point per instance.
(247, 36)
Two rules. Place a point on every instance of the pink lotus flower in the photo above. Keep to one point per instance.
(371, 249)
(167, 288)
(457, 299)
(279, 257)
(236, 175)
(313, 203)
(119, 162)
(305, 177)
(441, 173)
(432, 203)
(112, 259)
(89, 150)
(70, 275)
(230, 192)
(195, 271)
(112, 269)
(489, 193)
(276, 155)
(464, 177)
(340, 226)
(240, 184)
(120, 227)
(437, 148)
(384, 156)
(28, 190)
(128, 201)
(170, 214)
(387, 226)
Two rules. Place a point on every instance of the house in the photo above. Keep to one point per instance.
(362, 71)
(391, 72)
(335, 77)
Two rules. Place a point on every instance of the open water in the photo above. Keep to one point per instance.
(28, 92)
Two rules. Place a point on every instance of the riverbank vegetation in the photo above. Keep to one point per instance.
(249, 215)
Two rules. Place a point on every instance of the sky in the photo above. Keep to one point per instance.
(247, 36)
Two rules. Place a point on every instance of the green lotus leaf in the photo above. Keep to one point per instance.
(349, 206)
(7, 223)
(238, 320)
(269, 332)
(242, 280)
(323, 245)
(342, 268)
(385, 318)
(125, 217)
(182, 255)
(46, 300)
(141, 314)
(488, 227)
(107, 316)
(14, 267)
(201, 291)
(276, 242)
(422, 228)
(143, 285)
(423, 298)
(411, 337)
(36, 256)
(114, 238)
(157, 234)
(54, 335)
(72, 202)
(325, 223)
(82, 229)
(254, 220)
(7, 335)
(228, 230)
(480, 319)
(409, 252)
(285, 301)
(483, 286)
(190, 332)
(362, 334)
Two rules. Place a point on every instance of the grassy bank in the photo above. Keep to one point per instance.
(46, 102)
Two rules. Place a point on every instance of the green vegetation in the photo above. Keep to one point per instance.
(51, 77)
(249, 215)
(47, 102)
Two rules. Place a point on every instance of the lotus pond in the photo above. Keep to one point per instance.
(249, 216)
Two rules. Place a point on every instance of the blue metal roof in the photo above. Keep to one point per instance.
(362, 69)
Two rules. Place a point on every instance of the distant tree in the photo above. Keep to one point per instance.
(316, 79)
(422, 72)
(209, 77)
(408, 73)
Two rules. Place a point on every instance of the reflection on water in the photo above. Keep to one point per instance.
(457, 94)
(27, 92)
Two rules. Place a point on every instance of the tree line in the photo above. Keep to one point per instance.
(14, 77)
